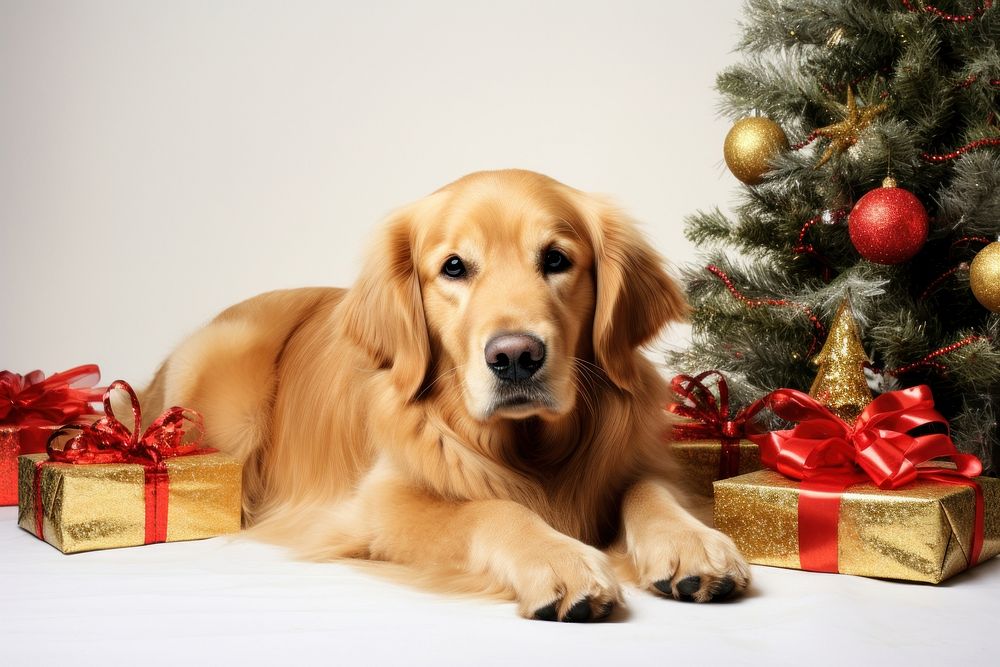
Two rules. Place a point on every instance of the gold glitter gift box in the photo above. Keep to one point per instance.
(708, 443)
(103, 506)
(699, 462)
(921, 532)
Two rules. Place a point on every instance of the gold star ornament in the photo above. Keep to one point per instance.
(845, 134)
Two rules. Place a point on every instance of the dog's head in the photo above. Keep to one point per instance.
(508, 289)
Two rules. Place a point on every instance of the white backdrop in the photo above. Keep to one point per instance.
(160, 161)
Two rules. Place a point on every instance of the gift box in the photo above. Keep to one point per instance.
(32, 407)
(867, 498)
(919, 533)
(111, 487)
(102, 506)
(15, 441)
(709, 444)
(702, 462)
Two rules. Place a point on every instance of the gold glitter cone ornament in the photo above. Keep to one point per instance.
(840, 383)
(984, 277)
(751, 145)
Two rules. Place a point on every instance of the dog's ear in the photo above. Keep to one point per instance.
(384, 313)
(636, 296)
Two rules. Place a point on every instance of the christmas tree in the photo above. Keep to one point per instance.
(863, 90)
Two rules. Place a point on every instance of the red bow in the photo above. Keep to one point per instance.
(109, 441)
(828, 455)
(711, 417)
(878, 447)
(32, 400)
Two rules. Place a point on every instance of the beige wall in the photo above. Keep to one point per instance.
(159, 161)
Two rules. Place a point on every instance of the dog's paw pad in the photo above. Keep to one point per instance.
(724, 589)
(549, 612)
(604, 611)
(583, 610)
(579, 612)
(688, 587)
(692, 588)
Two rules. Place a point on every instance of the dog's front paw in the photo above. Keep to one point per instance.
(695, 564)
(566, 581)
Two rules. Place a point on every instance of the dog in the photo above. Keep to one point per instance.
(476, 407)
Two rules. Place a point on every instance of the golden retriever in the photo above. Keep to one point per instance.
(475, 407)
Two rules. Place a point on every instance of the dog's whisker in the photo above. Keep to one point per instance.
(598, 378)
(591, 388)
(592, 370)
(442, 375)
(584, 388)
(589, 364)
(584, 394)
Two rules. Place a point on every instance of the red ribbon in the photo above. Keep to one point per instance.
(109, 441)
(828, 455)
(33, 400)
(711, 419)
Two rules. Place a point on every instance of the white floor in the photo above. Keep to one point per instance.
(227, 601)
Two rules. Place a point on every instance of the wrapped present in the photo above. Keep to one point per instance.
(32, 407)
(710, 444)
(921, 533)
(870, 498)
(704, 461)
(108, 486)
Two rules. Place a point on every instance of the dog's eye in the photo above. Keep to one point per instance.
(453, 267)
(555, 262)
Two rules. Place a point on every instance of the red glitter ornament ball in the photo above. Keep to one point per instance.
(888, 225)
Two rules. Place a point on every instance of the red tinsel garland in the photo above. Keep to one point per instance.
(945, 16)
(820, 330)
(972, 145)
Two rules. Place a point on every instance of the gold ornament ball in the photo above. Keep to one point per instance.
(751, 145)
(984, 277)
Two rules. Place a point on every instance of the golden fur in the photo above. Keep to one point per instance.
(369, 426)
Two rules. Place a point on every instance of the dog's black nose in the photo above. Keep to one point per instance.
(515, 356)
